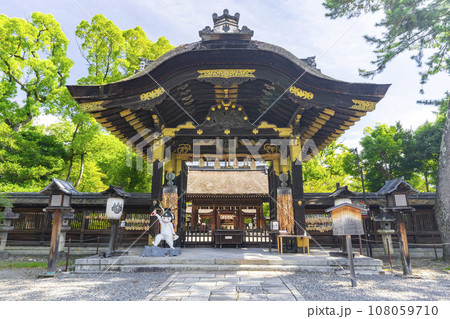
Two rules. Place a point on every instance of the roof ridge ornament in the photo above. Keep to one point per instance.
(225, 26)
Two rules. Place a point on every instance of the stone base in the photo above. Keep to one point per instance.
(155, 251)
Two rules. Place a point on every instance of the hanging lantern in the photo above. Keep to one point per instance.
(114, 207)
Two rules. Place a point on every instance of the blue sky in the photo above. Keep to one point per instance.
(298, 26)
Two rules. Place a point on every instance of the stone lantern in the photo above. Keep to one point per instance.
(6, 227)
(114, 210)
(397, 192)
(385, 230)
(60, 205)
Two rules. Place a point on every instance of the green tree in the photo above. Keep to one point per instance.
(29, 159)
(383, 154)
(413, 25)
(428, 138)
(113, 54)
(33, 68)
(323, 171)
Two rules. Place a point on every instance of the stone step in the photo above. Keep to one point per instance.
(220, 267)
(311, 261)
(200, 267)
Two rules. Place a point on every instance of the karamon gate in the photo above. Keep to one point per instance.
(229, 102)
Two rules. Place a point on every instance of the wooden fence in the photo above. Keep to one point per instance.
(33, 227)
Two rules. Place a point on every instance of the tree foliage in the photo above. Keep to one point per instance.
(29, 158)
(384, 154)
(113, 54)
(33, 71)
(331, 166)
(33, 68)
(419, 26)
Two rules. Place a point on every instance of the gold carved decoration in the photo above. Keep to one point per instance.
(227, 131)
(183, 148)
(152, 94)
(170, 131)
(282, 131)
(271, 149)
(226, 73)
(300, 93)
(255, 131)
(363, 105)
(199, 132)
(91, 106)
(264, 124)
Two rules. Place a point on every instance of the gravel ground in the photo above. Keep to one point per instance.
(433, 284)
(18, 284)
(21, 284)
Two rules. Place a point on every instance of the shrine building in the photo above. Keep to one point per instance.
(226, 105)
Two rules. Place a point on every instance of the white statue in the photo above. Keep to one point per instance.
(167, 231)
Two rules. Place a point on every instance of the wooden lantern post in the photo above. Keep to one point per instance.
(347, 221)
(59, 205)
(397, 202)
(114, 211)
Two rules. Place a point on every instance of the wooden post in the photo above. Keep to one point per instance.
(285, 210)
(213, 221)
(360, 245)
(194, 216)
(272, 192)
(403, 243)
(157, 182)
(351, 264)
(113, 237)
(434, 246)
(157, 179)
(241, 219)
(258, 217)
(68, 254)
(297, 194)
(83, 226)
(54, 244)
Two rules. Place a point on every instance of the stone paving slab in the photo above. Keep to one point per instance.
(226, 286)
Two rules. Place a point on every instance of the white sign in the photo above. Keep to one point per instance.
(114, 207)
(400, 200)
(275, 225)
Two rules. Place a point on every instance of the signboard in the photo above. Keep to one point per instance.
(114, 207)
(274, 225)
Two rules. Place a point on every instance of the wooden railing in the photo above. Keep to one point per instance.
(257, 236)
(197, 235)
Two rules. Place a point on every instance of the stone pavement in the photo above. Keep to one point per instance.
(226, 286)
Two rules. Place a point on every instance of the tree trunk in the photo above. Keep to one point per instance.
(443, 189)
(81, 171)
(72, 152)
